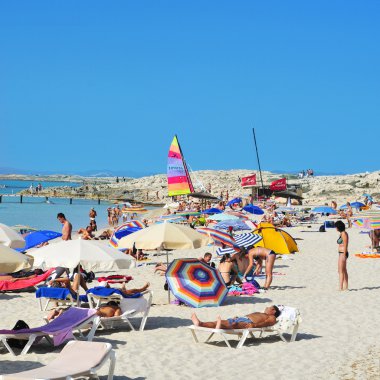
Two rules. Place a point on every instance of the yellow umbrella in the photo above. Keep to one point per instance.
(165, 236)
(13, 261)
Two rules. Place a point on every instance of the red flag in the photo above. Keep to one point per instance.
(249, 181)
(279, 185)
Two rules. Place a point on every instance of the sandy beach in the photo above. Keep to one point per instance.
(338, 338)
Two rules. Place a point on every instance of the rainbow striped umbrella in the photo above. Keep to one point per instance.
(125, 230)
(219, 237)
(196, 283)
(369, 220)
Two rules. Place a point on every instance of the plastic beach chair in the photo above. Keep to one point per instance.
(287, 323)
(61, 297)
(77, 359)
(20, 283)
(130, 306)
(57, 331)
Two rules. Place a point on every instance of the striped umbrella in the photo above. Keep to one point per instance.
(369, 220)
(125, 230)
(196, 283)
(237, 225)
(239, 214)
(219, 237)
(243, 240)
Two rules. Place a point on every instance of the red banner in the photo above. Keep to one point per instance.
(249, 181)
(279, 185)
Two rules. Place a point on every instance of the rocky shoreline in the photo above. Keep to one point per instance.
(153, 189)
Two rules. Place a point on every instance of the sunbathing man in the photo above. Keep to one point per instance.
(78, 282)
(253, 320)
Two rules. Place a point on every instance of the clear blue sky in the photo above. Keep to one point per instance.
(106, 84)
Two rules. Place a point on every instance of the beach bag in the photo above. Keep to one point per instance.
(18, 343)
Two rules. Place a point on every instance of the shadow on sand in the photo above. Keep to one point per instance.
(241, 300)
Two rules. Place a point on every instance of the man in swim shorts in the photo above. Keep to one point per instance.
(253, 320)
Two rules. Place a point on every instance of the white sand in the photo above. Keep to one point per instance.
(338, 339)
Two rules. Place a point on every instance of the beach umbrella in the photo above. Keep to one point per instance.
(10, 237)
(219, 237)
(286, 210)
(252, 209)
(353, 204)
(369, 220)
(23, 229)
(212, 210)
(13, 261)
(324, 210)
(38, 237)
(234, 201)
(173, 219)
(188, 213)
(195, 283)
(124, 230)
(165, 236)
(90, 254)
(224, 216)
(237, 225)
(243, 240)
(239, 214)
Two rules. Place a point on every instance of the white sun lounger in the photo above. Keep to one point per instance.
(77, 359)
(287, 323)
(130, 307)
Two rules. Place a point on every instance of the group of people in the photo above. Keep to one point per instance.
(306, 174)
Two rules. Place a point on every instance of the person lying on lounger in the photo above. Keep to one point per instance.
(124, 290)
(253, 320)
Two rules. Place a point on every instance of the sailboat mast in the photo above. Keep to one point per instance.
(258, 159)
(185, 166)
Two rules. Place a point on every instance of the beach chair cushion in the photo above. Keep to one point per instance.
(102, 291)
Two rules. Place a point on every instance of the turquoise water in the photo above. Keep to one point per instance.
(35, 212)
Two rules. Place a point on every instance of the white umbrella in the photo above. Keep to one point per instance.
(13, 261)
(10, 237)
(92, 255)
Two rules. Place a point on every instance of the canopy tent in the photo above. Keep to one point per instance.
(275, 239)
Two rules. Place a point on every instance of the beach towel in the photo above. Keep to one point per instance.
(247, 289)
(101, 291)
(60, 328)
(115, 279)
(20, 283)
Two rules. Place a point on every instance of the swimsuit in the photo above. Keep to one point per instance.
(272, 253)
(231, 321)
(340, 241)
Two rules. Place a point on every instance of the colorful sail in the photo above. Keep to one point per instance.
(179, 181)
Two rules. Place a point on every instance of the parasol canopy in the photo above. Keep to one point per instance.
(10, 238)
(243, 240)
(196, 283)
(13, 261)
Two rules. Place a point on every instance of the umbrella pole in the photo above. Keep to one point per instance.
(167, 265)
(78, 274)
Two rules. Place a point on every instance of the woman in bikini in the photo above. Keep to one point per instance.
(343, 255)
(257, 255)
(228, 271)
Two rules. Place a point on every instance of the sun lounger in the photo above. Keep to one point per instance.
(77, 359)
(287, 323)
(130, 306)
(61, 297)
(19, 283)
(60, 329)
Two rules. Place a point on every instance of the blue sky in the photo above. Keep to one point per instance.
(105, 85)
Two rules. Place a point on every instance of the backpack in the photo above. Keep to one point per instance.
(18, 343)
(322, 228)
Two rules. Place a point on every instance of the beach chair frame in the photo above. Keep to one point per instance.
(112, 322)
(92, 323)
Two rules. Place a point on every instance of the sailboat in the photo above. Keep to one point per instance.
(179, 180)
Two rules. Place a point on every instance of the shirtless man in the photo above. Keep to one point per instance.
(259, 254)
(253, 320)
(66, 227)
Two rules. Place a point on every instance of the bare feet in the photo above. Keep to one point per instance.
(195, 320)
(146, 286)
(218, 322)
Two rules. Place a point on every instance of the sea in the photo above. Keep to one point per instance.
(37, 213)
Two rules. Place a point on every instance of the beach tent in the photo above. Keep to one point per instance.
(275, 239)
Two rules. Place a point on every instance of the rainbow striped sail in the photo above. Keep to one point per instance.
(179, 181)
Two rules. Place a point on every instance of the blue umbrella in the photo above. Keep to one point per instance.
(253, 209)
(212, 210)
(35, 238)
(324, 210)
(125, 232)
(237, 225)
(233, 201)
(353, 204)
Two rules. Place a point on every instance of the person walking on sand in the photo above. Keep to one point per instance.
(343, 255)
(66, 226)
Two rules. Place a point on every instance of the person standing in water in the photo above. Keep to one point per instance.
(343, 254)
